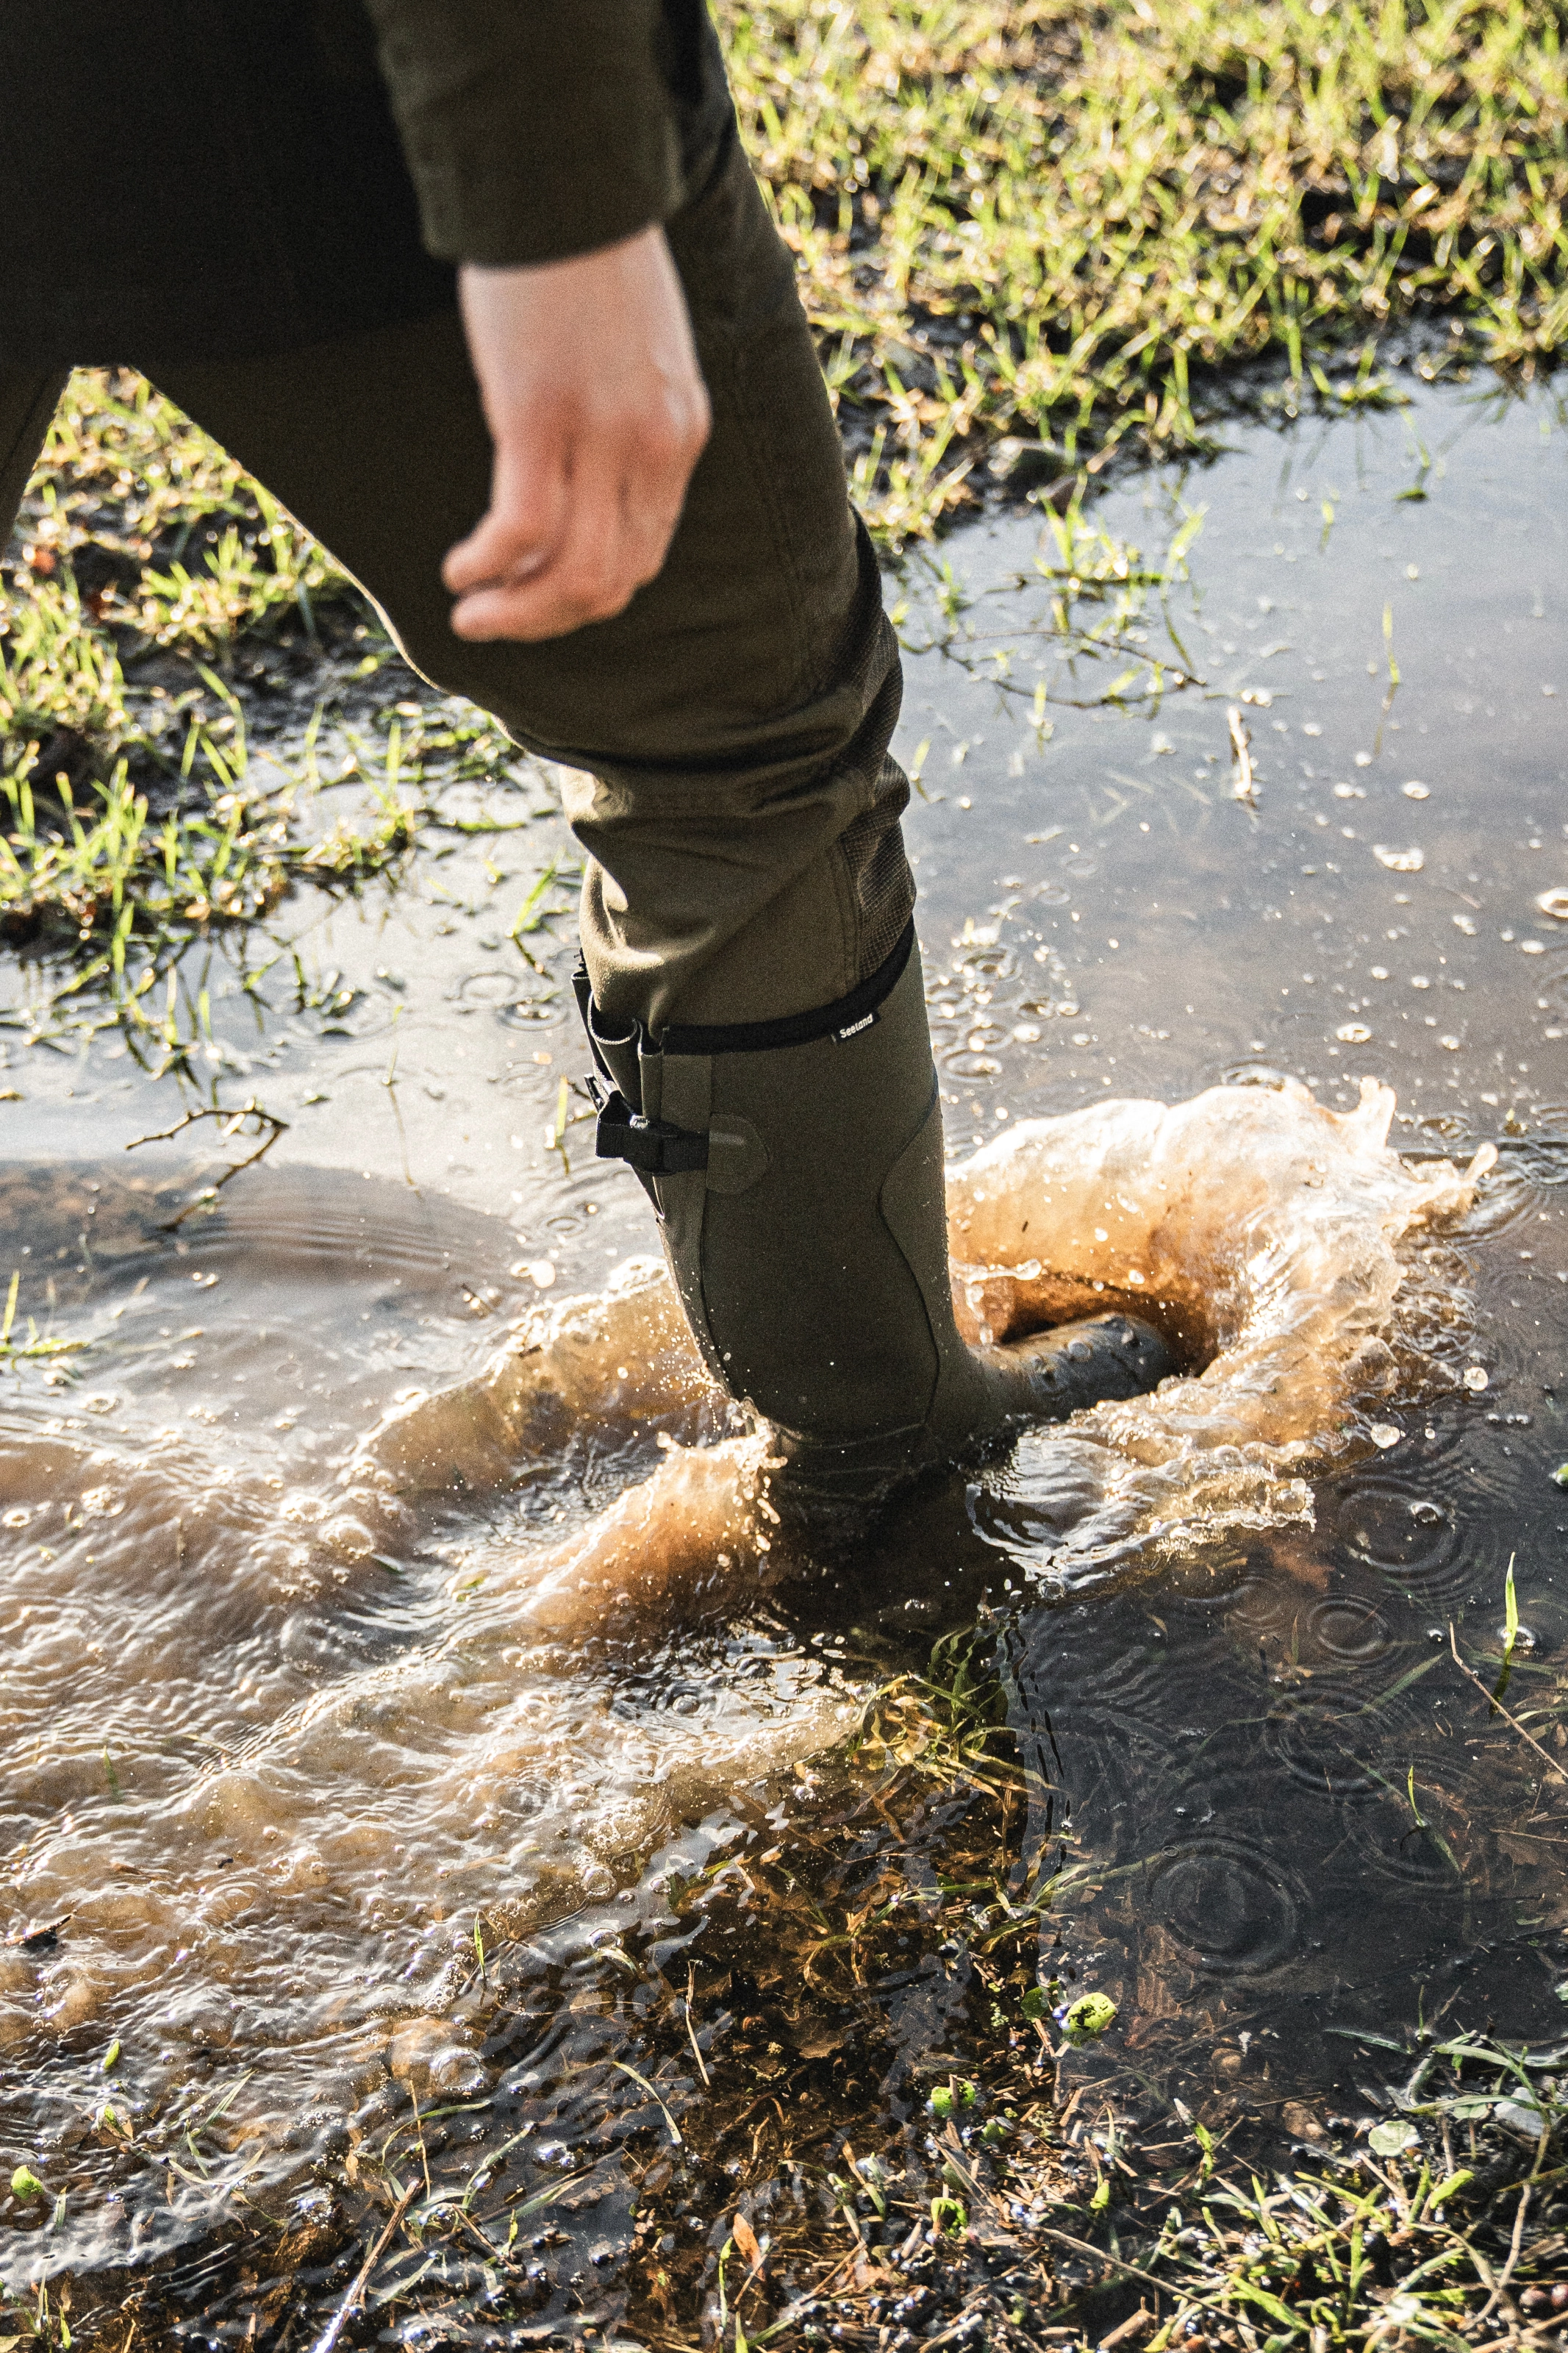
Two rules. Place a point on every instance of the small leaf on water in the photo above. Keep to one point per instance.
(1034, 2002)
(1392, 2138)
(948, 2098)
(1102, 2198)
(745, 2237)
(1451, 2187)
(24, 2183)
(1561, 1475)
(1090, 2014)
(111, 2057)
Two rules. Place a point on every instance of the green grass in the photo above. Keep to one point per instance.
(1062, 222)
(1028, 220)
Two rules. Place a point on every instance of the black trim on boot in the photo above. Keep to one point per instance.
(845, 1018)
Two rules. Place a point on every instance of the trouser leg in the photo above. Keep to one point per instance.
(28, 398)
(740, 812)
(740, 816)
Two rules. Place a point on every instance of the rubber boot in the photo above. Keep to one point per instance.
(797, 1167)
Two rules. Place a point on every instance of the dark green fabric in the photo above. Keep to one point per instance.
(536, 131)
(205, 179)
(740, 812)
(811, 1259)
(27, 398)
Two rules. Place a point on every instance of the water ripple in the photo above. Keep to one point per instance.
(1230, 1901)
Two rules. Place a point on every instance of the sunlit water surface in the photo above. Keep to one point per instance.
(391, 1626)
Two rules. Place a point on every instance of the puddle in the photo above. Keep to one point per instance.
(390, 1654)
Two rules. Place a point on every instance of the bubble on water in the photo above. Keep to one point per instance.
(1399, 862)
(1475, 1377)
(1353, 1033)
(1415, 792)
(1554, 902)
(1532, 947)
(1384, 1434)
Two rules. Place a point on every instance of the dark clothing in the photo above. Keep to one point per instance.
(205, 179)
(742, 821)
(536, 129)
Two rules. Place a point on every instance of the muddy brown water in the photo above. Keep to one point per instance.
(315, 1809)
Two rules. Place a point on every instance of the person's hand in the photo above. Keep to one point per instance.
(598, 412)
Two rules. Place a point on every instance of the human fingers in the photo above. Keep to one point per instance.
(626, 487)
(526, 519)
(589, 576)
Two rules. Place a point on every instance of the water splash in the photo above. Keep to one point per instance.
(1272, 1239)
(517, 1643)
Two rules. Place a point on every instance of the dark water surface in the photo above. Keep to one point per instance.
(274, 1752)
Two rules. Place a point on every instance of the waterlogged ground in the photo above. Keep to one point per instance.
(404, 1796)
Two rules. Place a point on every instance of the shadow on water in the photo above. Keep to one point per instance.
(428, 1789)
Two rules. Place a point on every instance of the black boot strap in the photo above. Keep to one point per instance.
(843, 1019)
(653, 1147)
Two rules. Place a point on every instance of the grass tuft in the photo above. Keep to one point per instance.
(1030, 218)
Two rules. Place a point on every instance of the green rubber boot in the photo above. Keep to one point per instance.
(797, 1166)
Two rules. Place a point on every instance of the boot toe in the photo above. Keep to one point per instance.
(1103, 1358)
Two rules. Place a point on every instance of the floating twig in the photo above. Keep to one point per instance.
(345, 2311)
(1553, 1763)
(234, 1121)
(1244, 787)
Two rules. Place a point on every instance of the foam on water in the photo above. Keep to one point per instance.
(485, 1667)
(1270, 1237)
(1275, 1241)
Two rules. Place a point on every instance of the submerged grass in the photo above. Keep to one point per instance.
(807, 2159)
(1038, 218)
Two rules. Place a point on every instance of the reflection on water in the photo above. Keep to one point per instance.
(390, 1649)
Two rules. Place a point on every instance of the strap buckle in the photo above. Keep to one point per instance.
(653, 1147)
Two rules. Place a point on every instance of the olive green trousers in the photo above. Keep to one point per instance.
(735, 801)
